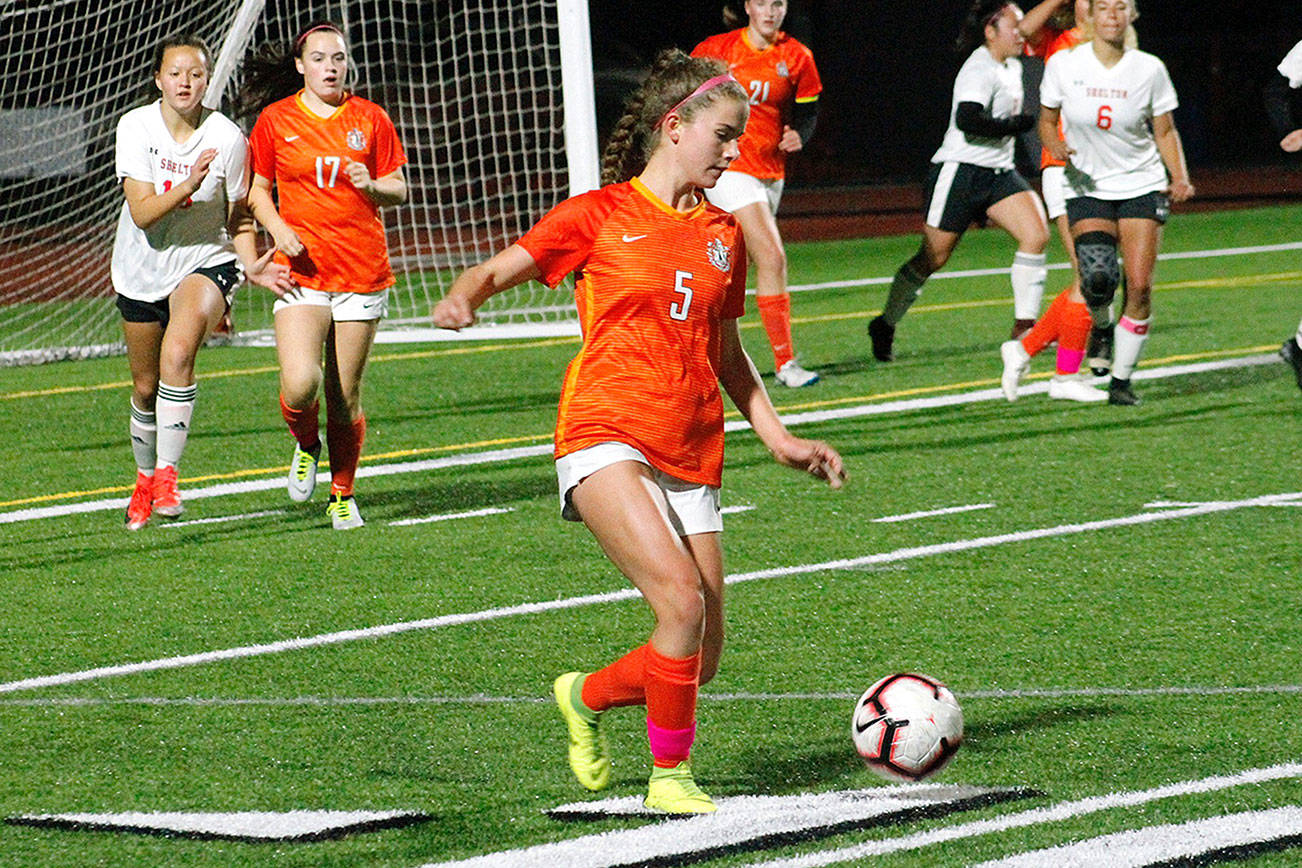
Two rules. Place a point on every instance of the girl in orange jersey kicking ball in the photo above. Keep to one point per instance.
(639, 432)
(335, 160)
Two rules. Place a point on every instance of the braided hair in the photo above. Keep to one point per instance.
(674, 76)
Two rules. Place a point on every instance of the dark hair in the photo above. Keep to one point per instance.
(270, 73)
(973, 32)
(181, 40)
(734, 14)
(674, 76)
(1064, 17)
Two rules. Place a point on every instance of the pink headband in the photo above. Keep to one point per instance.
(298, 43)
(708, 84)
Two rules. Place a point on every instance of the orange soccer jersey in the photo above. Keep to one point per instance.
(774, 77)
(653, 285)
(306, 156)
(1059, 41)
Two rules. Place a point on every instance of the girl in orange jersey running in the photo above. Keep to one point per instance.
(639, 432)
(335, 160)
(782, 84)
(182, 236)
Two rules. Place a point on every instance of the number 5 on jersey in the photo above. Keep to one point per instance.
(678, 310)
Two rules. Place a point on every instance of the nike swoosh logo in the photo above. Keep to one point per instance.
(628, 238)
(290, 138)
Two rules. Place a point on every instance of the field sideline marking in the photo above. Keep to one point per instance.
(800, 287)
(1038, 816)
(704, 696)
(928, 513)
(457, 619)
(884, 403)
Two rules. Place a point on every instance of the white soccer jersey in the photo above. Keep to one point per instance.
(1291, 66)
(149, 263)
(997, 87)
(1106, 115)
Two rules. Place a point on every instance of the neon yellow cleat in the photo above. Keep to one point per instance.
(343, 512)
(674, 791)
(589, 750)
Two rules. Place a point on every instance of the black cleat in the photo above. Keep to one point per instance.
(1099, 350)
(1290, 353)
(883, 337)
(1120, 393)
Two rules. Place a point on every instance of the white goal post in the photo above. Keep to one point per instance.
(493, 101)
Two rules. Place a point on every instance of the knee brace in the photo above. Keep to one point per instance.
(1100, 274)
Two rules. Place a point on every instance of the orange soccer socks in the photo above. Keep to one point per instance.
(1068, 323)
(666, 685)
(303, 424)
(345, 444)
(775, 314)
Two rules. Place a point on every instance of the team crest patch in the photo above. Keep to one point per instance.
(782, 69)
(719, 254)
(357, 140)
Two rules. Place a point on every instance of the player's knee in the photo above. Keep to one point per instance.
(1100, 273)
(681, 606)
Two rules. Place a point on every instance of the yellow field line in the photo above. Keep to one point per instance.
(533, 438)
(1222, 282)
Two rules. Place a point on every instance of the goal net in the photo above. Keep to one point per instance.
(495, 134)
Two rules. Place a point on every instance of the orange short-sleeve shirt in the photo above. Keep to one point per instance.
(340, 227)
(775, 77)
(653, 286)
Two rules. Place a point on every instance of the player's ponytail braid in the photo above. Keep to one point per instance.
(674, 76)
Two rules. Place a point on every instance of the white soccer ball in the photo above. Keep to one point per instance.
(907, 727)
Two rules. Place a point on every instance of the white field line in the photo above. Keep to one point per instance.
(452, 516)
(1036, 816)
(499, 455)
(630, 593)
(733, 510)
(1151, 845)
(990, 272)
(223, 518)
(929, 513)
(705, 696)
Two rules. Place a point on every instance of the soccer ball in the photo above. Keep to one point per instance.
(907, 727)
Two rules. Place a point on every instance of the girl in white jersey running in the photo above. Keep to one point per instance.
(181, 238)
(973, 177)
(1125, 164)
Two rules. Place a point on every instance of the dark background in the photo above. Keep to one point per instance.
(888, 70)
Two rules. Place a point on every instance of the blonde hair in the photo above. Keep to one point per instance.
(673, 78)
(1131, 38)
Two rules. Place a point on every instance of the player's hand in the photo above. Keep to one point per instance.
(814, 457)
(790, 141)
(287, 242)
(1059, 151)
(1180, 191)
(199, 170)
(359, 176)
(1292, 142)
(272, 275)
(453, 312)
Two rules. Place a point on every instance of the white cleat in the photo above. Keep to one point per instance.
(1072, 387)
(343, 512)
(793, 376)
(1016, 363)
(302, 473)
